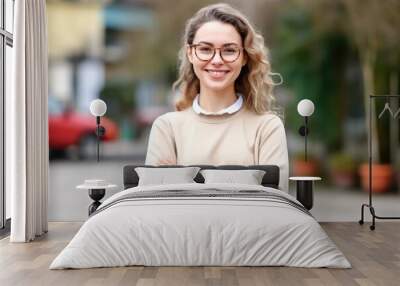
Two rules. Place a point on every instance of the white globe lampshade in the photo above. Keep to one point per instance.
(98, 107)
(305, 107)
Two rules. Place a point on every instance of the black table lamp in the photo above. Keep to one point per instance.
(98, 108)
(304, 193)
(96, 187)
(305, 108)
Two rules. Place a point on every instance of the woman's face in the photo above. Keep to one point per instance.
(218, 73)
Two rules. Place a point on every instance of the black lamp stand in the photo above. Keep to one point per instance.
(97, 194)
(100, 131)
(304, 188)
(303, 131)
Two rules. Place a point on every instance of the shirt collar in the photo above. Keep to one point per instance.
(230, 109)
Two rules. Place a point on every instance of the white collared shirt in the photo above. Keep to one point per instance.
(230, 109)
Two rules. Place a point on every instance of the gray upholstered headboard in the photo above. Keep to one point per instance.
(270, 179)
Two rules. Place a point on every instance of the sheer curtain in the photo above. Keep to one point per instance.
(27, 124)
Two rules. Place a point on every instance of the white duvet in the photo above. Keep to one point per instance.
(200, 231)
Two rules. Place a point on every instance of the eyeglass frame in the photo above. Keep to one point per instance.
(215, 49)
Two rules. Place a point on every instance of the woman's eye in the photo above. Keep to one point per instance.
(229, 50)
(205, 49)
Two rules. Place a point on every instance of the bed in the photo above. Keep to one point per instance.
(201, 224)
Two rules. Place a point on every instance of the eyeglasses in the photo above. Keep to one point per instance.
(205, 53)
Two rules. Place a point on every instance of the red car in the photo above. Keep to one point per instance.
(70, 130)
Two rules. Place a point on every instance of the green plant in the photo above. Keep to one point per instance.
(120, 99)
(317, 43)
(369, 27)
(312, 63)
(342, 162)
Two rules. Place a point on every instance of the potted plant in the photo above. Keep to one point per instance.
(382, 176)
(378, 78)
(301, 167)
(398, 176)
(342, 169)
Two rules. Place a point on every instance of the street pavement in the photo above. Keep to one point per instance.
(66, 203)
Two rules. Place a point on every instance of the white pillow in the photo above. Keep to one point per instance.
(163, 176)
(249, 177)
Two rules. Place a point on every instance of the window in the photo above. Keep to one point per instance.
(6, 45)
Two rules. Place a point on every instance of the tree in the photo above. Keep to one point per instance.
(312, 59)
(373, 28)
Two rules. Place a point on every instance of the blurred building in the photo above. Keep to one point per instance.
(76, 48)
(93, 44)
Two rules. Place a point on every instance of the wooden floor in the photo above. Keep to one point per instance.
(374, 255)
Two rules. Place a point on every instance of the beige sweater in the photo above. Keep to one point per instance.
(242, 138)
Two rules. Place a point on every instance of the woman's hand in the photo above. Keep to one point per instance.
(166, 162)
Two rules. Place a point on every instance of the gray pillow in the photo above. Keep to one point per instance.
(249, 177)
(162, 176)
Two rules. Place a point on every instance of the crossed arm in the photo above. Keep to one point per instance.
(271, 147)
(161, 148)
(272, 150)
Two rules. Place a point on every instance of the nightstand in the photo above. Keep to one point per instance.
(97, 190)
(304, 190)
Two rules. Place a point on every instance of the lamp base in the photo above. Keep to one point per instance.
(305, 193)
(96, 195)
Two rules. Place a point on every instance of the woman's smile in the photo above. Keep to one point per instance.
(216, 74)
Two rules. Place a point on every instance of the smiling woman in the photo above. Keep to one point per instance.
(226, 112)
(216, 72)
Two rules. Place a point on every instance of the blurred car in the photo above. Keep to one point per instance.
(70, 130)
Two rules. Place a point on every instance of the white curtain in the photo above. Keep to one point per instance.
(27, 124)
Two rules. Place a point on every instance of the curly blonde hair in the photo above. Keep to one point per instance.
(254, 81)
